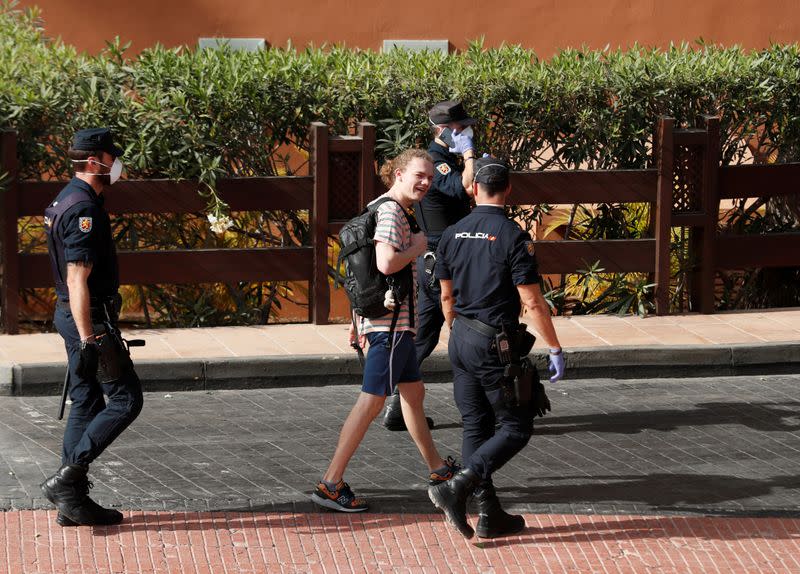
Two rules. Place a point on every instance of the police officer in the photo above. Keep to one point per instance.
(487, 268)
(84, 265)
(447, 201)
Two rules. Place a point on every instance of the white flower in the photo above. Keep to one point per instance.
(220, 224)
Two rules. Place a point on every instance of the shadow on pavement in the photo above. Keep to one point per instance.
(765, 417)
(666, 492)
(574, 529)
(610, 529)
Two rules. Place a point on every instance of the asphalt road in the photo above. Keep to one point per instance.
(716, 446)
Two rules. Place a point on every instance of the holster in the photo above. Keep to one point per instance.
(115, 358)
(522, 388)
(115, 355)
(523, 341)
(518, 381)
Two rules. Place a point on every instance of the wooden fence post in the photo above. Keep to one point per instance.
(664, 213)
(710, 198)
(319, 290)
(9, 248)
(366, 131)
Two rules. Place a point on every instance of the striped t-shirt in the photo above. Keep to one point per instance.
(392, 228)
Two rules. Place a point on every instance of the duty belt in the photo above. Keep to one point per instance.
(99, 305)
(478, 326)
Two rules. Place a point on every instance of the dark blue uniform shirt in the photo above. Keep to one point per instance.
(85, 235)
(486, 255)
(446, 201)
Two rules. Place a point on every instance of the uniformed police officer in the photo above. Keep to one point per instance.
(447, 201)
(84, 265)
(486, 267)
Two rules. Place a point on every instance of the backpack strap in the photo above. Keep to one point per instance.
(412, 223)
(356, 344)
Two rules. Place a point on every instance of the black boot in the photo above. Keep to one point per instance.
(451, 497)
(68, 489)
(493, 521)
(393, 419)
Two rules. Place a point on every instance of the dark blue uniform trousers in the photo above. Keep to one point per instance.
(429, 314)
(92, 424)
(477, 374)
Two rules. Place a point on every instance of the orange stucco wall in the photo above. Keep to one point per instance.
(543, 25)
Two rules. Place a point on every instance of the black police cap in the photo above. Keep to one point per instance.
(491, 171)
(96, 139)
(450, 111)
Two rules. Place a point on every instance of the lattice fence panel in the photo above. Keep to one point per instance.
(687, 179)
(344, 184)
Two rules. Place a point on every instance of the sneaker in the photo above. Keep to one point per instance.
(445, 473)
(341, 499)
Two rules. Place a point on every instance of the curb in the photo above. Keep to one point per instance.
(321, 370)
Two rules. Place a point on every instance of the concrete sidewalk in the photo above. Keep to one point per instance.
(766, 341)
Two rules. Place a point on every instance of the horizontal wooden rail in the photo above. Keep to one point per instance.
(738, 181)
(30, 198)
(689, 137)
(562, 187)
(191, 266)
(166, 196)
(750, 251)
(615, 255)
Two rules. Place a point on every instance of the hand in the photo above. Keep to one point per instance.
(462, 142)
(89, 359)
(556, 365)
(419, 244)
(362, 339)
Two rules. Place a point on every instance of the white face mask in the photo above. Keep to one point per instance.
(114, 173)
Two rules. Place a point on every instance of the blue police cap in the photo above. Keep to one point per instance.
(491, 171)
(96, 139)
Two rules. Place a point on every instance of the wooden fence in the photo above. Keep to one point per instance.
(685, 191)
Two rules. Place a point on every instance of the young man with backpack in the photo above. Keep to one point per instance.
(391, 360)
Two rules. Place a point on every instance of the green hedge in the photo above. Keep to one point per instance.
(206, 114)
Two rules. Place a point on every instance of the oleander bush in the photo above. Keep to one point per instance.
(207, 114)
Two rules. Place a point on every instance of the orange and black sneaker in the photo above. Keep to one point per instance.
(341, 499)
(444, 473)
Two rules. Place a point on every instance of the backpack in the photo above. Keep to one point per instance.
(365, 286)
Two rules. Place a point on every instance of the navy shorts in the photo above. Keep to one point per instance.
(386, 366)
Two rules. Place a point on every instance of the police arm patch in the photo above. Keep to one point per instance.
(530, 247)
(443, 168)
(85, 224)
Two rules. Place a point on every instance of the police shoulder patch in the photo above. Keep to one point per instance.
(530, 247)
(85, 224)
(443, 168)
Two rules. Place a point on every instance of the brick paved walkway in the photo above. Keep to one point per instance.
(188, 542)
(673, 475)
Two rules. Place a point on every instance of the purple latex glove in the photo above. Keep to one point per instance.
(557, 366)
(462, 141)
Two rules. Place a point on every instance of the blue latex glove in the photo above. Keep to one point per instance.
(462, 141)
(556, 365)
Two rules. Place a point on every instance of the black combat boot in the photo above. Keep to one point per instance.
(393, 418)
(68, 489)
(451, 497)
(493, 521)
